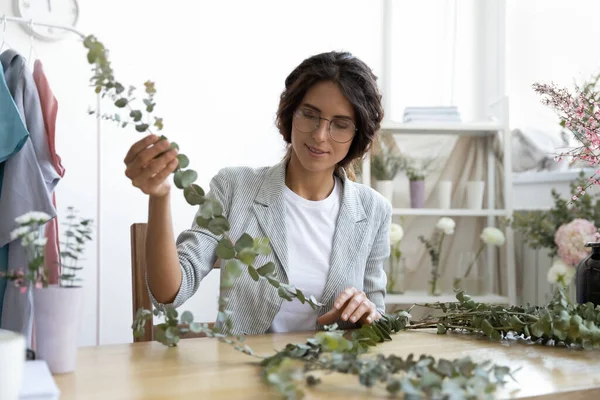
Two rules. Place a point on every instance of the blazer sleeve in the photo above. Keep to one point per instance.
(375, 278)
(196, 247)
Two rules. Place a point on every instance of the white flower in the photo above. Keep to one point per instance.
(561, 272)
(491, 235)
(33, 216)
(396, 234)
(446, 225)
(40, 241)
(20, 232)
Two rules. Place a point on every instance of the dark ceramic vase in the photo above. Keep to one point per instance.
(588, 276)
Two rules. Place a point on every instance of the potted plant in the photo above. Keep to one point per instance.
(416, 171)
(57, 309)
(384, 168)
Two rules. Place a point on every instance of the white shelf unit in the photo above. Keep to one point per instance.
(486, 129)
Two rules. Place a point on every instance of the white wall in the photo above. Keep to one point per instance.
(219, 68)
(547, 40)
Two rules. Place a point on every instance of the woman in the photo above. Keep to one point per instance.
(329, 235)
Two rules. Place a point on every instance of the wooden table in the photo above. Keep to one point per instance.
(208, 369)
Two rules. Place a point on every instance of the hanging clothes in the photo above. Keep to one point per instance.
(29, 180)
(49, 106)
(13, 136)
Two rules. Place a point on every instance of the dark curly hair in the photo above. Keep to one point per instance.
(356, 81)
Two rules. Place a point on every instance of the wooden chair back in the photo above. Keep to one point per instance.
(140, 295)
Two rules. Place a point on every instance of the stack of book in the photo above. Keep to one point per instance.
(431, 114)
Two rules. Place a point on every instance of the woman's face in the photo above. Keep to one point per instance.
(325, 106)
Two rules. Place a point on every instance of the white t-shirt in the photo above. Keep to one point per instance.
(310, 228)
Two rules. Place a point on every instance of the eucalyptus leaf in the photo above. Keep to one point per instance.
(266, 269)
(194, 195)
(225, 249)
(218, 226)
(183, 161)
(253, 273)
(245, 241)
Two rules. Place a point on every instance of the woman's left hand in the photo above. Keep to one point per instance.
(352, 305)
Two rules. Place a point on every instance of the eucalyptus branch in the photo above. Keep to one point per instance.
(211, 217)
(425, 377)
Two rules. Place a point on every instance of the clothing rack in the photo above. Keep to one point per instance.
(23, 21)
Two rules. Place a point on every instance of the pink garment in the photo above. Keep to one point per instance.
(49, 111)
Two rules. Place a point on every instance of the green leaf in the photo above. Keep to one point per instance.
(300, 296)
(274, 282)
(218, 225)
(245, 241)
(441, 329)
(266, 269)
(177, 177)
(233, 268)
(187, 317)
(246, 256)
(202, 222)
(261, 246)
(284, 294)
(136, 115)
(188, 177)
(194, 195)
(158, 123)
(196, 327)
(184, 161)
(120, 103)
(253, 273)
(141, 127)
(225, 249)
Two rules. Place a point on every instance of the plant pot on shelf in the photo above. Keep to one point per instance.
(386, 188)
(475, 190)
(417, 194)
(57, 318)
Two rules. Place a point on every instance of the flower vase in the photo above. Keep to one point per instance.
(417, 194)
(57, 318)
(470, 274)
(434, 285)
(587, 278)
(396, 278)
(386, 189)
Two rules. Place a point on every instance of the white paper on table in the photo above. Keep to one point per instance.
(38, 383)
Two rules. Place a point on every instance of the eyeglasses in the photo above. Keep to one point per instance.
(341, 130)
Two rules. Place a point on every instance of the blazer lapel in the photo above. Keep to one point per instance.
(347, 240)
(269, 208)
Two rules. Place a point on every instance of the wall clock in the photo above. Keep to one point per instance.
(58, 12)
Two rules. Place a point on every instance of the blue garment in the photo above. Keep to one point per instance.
(13, 136)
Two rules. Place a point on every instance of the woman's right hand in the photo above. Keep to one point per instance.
(148, 172)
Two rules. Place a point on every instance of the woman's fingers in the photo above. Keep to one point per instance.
(363, 310)
(156, 166)
(138, 147)
(344, 297)
(164, 174)
(144, 158)
(353, 305)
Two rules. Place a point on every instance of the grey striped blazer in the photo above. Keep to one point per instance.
(253, 202)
